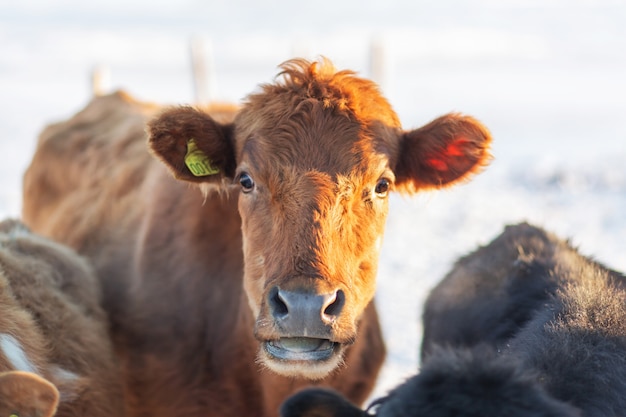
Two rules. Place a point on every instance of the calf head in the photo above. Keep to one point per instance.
(315, 156)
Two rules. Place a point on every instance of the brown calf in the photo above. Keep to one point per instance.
(55, 350)
(226, 300)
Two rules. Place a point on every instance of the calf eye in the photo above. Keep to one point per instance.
(382, 186)
(246, 182)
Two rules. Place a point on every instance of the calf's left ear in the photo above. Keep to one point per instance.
(446, 151)
(192, 145)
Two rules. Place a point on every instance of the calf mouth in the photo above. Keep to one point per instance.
(302, 357)
(301, 349)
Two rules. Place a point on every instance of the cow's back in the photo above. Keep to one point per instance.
(83, 185)
(494, 291)
(484, 298)
(84, 164)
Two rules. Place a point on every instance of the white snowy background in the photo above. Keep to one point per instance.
(548, 77)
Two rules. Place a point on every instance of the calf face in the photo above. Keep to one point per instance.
(315, 156)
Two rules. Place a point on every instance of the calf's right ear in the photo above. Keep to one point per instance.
(192, 145)
(27, 395)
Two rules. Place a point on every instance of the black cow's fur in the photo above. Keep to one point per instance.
(452, 383)
(537, 300)
(525, 326)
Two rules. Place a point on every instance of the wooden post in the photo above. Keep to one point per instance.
(100, 80)
(378, 62)
(203, 71)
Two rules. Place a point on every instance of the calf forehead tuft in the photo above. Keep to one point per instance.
(340, 90)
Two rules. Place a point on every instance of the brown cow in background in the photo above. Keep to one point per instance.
(55, 350)
(227, 297)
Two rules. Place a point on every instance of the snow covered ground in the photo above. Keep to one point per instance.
(547, 77)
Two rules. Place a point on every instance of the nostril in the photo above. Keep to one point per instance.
(298, 311)
(277, 304)
(333, 309)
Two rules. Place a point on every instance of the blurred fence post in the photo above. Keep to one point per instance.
(203, 70)
(378, 62)
(100, 80)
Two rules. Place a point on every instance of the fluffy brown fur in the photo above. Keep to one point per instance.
(52, 328)
(198, 283)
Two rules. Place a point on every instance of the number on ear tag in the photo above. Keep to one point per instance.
(198, 163)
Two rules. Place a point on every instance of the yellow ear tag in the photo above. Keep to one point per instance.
(198, 163)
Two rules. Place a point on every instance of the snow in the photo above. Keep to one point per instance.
(547, 77)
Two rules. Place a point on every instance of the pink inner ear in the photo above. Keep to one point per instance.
(441, 160)
(437, 164)
(455, 148)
